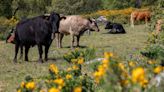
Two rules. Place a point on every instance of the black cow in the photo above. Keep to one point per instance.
(36, 31)
(114, 27)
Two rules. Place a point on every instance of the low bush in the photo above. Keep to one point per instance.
(109, 74)
(6, 25)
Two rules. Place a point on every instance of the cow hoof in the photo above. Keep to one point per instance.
(15, 61)
(26, 60)
(40, 60)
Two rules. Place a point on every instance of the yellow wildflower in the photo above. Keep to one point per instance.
(75, 67)
(22, 84)
(105, 61)
(105, 66)
(138, 75)
(121, 66)
(30, 85)
(151, 62)
(81, 61)
(107, 55)
(101, 69)
(54, 68)
(97, 80)
(132, 64)
(77, 89)
(158, 69)
(124, 82)
(19, 90)
(69, 69)
(68, 76)
(59, 81)
(53, 90)
(144, 83)
(98, 74)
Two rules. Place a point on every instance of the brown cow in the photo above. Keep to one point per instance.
(139, 16)
(75, 26)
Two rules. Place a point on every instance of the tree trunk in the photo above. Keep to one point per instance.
(138, 3)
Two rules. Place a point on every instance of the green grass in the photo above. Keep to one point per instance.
(121, 44)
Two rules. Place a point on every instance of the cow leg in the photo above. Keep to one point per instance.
(72, 41)
(40, 53)
(60, 40)
(16, 52)
(57, 39)
(46, 52)
(26, 52)
(146, 20)
(78, 39)
(21, 53)
(132, 21)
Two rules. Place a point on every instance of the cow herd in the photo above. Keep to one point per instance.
(41, 31)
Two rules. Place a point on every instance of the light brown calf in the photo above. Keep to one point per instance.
(139, 16)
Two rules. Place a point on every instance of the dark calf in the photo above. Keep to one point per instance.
(115, 27)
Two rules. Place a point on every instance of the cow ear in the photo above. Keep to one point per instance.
(63, 17)
(90, 20)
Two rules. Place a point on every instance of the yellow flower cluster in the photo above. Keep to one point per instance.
(53, 90)
(53, 68)
(132, 64)
(68, 76)
(138, 76)
(158, 69)
(77, 89)
(80, 60)
(60, 82)
(107, 55)
(29, 86)
(102, 68)
(107, 13)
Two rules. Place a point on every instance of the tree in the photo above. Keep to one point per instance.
(5, 8)
(138, 3)
(74, 6)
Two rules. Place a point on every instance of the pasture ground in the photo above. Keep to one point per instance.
(121, 44)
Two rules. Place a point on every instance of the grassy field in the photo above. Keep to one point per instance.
(121, 44)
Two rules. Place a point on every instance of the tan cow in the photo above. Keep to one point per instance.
(75, 26)
(140, 15)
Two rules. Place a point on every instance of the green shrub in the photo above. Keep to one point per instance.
(72, 56)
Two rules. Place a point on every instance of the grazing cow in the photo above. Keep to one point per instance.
(115, 27)
(75, 26)
(159, 25)
(36, 31)
(140, 15)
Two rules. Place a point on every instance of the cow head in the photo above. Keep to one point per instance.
(108, 25)
(11, 36)
(93, 25)
(54, 20)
